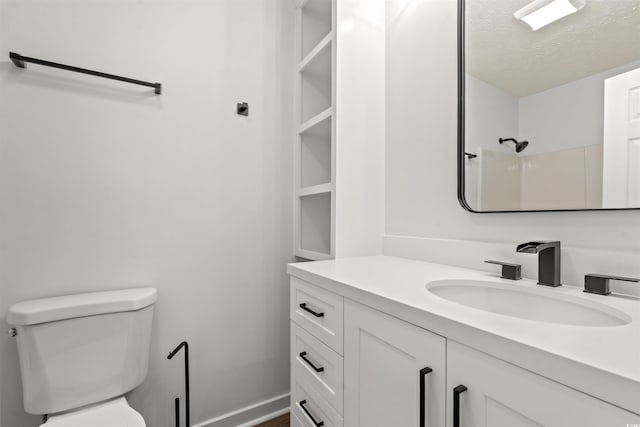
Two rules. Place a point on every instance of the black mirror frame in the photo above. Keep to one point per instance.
(461, 130)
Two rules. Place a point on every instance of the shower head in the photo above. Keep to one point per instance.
(520, 145)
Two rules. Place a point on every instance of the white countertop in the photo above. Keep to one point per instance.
(601, 361)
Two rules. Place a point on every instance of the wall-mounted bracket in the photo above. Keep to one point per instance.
(243, 109)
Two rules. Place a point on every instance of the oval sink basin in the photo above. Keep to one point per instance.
(531, 304)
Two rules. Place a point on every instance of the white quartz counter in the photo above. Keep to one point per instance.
(601, 361)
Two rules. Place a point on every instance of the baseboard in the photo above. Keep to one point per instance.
(266, 418)
(251, 415)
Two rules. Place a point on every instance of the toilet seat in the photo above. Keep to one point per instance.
(114, 413)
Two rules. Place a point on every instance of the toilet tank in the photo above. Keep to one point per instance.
(82, 349)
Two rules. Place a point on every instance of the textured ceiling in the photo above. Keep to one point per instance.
(505, 53)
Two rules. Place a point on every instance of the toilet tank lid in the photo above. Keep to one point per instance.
(80, 305)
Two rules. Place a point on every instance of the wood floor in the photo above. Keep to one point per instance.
(282, 421)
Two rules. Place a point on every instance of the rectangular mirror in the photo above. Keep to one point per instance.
(549, 105)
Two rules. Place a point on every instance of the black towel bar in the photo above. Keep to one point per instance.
(19, 61)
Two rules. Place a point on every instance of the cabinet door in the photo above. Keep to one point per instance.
(384, 361)
(500, 394)
(294, 421)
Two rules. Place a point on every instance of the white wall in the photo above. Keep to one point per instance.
(421, 178)
(564, 117)
(567, 116)
(491, 114)
(360, 127)
(104, 185)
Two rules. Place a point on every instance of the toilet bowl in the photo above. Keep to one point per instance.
(80, 354)
(113, 413)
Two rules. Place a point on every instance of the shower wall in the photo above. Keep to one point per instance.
(565, 179)
(490, 114)
(500, 181)
(556, 120)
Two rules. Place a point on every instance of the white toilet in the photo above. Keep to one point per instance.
(79, 355)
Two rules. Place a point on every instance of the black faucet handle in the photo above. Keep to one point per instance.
(599, 283)
(509, 271)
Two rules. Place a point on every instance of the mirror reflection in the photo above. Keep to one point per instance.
(552, 104)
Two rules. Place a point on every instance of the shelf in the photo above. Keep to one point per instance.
(315, 52)
(311, 255)
(315, 223)
(315, 85)
(315, 154)
(315, 189)
(314, 121)
(316, 23)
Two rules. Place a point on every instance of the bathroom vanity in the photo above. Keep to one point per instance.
(383, 341)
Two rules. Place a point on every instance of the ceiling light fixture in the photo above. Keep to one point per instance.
(540, 13)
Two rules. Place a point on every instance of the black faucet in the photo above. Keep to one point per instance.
(548, 260)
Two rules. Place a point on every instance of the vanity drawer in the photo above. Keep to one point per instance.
(310, 407)
(318, 311)
(309, 356)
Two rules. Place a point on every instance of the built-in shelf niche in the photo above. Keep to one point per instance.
(339, 141)
(315, 154)
(315, 83)
(316, 23)
(315, 224)
(315, 146)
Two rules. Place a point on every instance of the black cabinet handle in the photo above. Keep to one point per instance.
(305, 308)
(423, 374)
(306, 411)
(303, 356)
(456, 404)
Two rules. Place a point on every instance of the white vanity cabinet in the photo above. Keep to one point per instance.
(316, 355)
(355, 366)
(499, 394)
(393, 371)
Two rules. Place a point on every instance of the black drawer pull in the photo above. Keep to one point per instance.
(305, 308)
(456, 404)
(306, 411)
(303, 356)
(423, 374)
